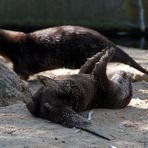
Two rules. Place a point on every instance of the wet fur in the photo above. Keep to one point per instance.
(64, 46)
(61, 99)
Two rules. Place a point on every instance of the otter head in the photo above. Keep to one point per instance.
(11, 36)
(9, 40)
(121, 77)
(122, 88)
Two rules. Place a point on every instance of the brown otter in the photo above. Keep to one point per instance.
(62, 98)
(64, 46)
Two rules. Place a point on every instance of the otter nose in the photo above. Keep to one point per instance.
(123, 74)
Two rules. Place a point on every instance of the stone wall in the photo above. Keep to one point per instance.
(100, 14)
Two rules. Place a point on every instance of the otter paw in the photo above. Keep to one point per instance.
(111, 51)
(108, 53)
(106, 49)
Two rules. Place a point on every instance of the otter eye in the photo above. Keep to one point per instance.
(120, 81)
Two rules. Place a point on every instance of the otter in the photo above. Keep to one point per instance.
(61, 99)
(57, 47)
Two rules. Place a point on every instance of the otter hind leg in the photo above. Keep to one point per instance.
(34, 104)
(47, 81)
(68, 117)
(31, 107)
(64, 115)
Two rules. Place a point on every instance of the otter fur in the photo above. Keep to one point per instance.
(57, 47)
(61, 99)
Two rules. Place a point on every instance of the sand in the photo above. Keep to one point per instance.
(127, 127)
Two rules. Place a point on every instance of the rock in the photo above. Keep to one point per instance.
(12, 88)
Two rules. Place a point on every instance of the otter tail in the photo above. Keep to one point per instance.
(121, 56)
(71, 119)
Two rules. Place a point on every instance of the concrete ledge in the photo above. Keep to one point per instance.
(121, 15)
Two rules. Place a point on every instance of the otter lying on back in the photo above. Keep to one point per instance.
(61, 99)
(57, 47)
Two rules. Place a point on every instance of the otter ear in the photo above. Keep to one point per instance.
(72, 119)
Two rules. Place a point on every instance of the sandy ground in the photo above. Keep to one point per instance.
(127, 127)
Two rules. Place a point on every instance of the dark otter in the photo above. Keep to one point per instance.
(64, 46)
(62, 98)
